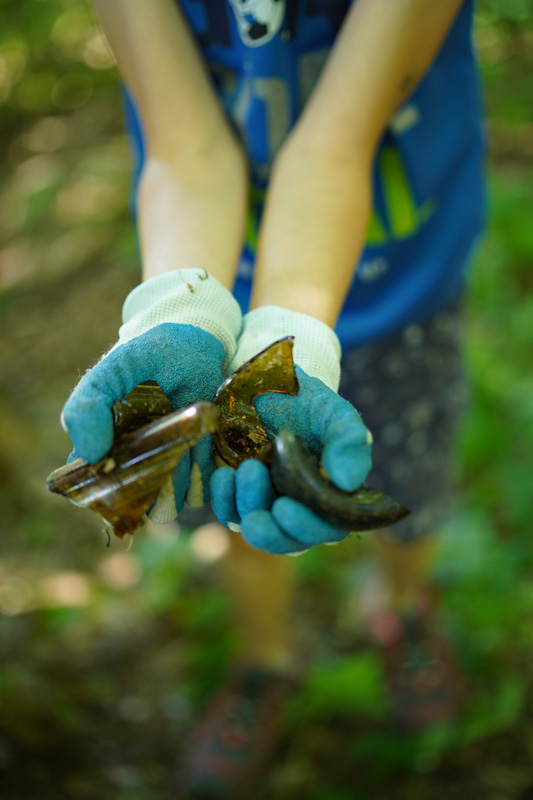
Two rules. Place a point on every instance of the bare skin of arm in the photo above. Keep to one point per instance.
(193, 191)
(319, 200)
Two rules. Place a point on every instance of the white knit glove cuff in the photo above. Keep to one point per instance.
(317, 349)
(187, 297)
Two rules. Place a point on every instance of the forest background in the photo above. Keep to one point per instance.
(106, 653)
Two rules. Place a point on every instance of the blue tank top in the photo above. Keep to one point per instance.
(264, 57)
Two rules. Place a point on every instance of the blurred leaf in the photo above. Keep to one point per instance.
(344, 687)
(488, 714)
(34, 93)
(510, 10)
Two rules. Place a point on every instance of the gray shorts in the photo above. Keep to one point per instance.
(411, 392)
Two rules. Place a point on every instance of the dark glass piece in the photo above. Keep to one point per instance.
(295, 473)
(241, 433)
(144, 404)
(123, 485)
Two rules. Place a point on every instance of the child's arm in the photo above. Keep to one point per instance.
(311, 237)
(193, 190)
(180, 326)
(319, 199)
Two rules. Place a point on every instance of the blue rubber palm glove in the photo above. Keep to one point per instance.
(180, 330)
(244, 498)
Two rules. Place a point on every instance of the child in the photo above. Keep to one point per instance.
(281, 145)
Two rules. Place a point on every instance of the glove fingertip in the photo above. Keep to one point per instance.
(90, 427)
(300, 523)
(261, 531)
(92, 444)
(222, 480)
(253, 487)
(222, 485)
(348, 467)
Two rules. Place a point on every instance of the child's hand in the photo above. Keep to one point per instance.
(172, 335)
(333, 429)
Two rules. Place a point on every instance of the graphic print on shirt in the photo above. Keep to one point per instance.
(402, 216)
(258, 21)
(398, 217)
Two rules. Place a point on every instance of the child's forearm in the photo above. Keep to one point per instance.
(192, 195)
(313, 230)
(319, 200)
(192, 212)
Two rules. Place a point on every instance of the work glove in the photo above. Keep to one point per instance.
(180, 330)
(244, 499)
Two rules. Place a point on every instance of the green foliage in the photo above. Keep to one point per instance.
(518, 11)
(59, 94)
(344, 687)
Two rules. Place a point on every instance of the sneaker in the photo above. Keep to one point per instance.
(422, 675)
(235, 741)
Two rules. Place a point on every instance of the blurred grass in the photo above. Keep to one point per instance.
(106, 654)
